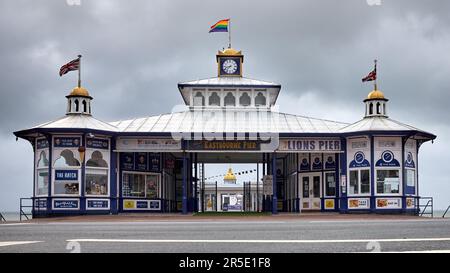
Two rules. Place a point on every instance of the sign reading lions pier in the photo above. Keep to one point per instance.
(311, 145)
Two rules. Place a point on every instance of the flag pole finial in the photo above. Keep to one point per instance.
(79, 71)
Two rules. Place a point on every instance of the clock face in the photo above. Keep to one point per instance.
(229, 66)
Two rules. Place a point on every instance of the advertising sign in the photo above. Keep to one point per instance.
(410, 203)
(268, 184)
(141, 161)
(96, 143)
(97, 204)
(66, 175)
(389, 203)
(358, 203)
(329, 203)
(148, 144)
(41, 143)
(65, 204)
(67, 142)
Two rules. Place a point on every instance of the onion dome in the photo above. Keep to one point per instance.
(229, 177)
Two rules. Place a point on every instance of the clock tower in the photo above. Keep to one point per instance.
(229, 62)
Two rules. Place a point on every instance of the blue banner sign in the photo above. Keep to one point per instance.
(65, 204)
(67, 142)
(97, 204)
(330, 163)
(42, 143)
(387, 160)
(155, 204)
(141, 161)
(66, 175)
(359, 161)
(141, 204)
(154, 162)
(96, 143)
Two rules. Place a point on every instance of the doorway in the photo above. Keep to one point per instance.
(310, 191)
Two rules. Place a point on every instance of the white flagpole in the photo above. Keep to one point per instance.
(229, 33)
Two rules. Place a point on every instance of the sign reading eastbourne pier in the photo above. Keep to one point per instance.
(310, 145)
(225, 145)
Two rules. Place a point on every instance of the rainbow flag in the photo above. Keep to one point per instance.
(221, 26)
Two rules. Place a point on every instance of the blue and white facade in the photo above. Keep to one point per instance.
(86, 166)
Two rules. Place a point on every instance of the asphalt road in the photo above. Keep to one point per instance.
(229, 236)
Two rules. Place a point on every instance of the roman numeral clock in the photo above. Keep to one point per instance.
(229, 63)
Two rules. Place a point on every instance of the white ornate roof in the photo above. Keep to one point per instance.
(238, 121)
(77, 122)
(379, 123)
(229, 81)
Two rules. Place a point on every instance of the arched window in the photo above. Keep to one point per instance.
(77, 106)
(84, 106)
(66, 159)
(384, 108)
(199, 99)
(378, 108)
(70, 106)
(230, 100)
(97, 160)
(214, 99)
(244, 100)
(260, 99)
(42, 161)
(371, 109)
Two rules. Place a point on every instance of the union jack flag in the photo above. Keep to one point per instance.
(70, 66)
(372, 76)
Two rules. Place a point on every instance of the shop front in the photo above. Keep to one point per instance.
(86, 166)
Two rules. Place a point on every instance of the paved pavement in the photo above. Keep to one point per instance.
(176, 233)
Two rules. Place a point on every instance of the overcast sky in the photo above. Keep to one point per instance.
(135, 52)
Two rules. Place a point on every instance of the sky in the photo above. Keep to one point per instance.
(135, 52)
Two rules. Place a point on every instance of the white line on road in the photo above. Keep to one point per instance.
(256, 241)
(15, 224)
(18, 243)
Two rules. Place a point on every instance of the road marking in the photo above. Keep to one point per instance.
(15, 224)
(256, 241)
(167, 222)
(18, 243)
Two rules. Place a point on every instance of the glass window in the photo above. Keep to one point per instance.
(230, 100)
(388, 181)
(316, 189)
(66, 159)
(64, 187)
(42, 182)
(330, 184)
(410, 178)
(152, 186)
(354, 178)
(260, 99)
(140, 185)
(359, 182)
(214, 99)
(96, 182)
(42, 161)
(199, 99)
(365, 181)
(244, 100)
(97, 160)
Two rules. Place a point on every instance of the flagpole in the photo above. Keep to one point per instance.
(229, 33)
(376, 75)
(79, 71)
